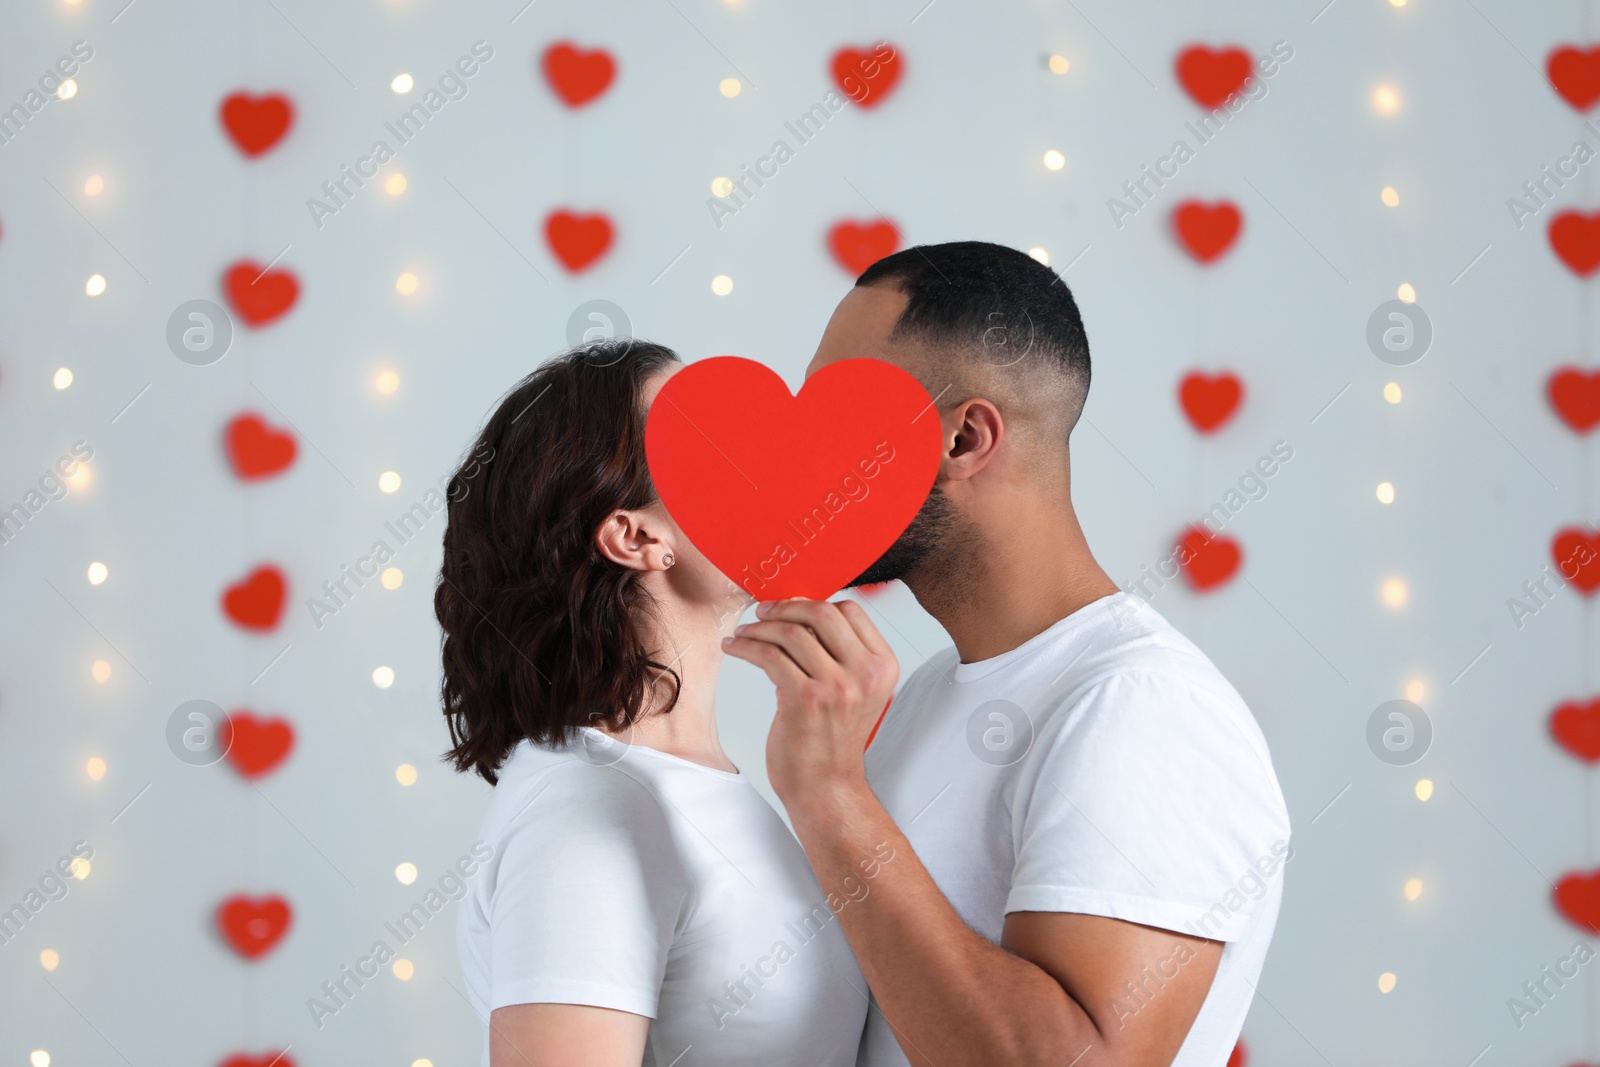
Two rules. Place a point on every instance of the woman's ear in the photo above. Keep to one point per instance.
(632, 539)
(972, 434)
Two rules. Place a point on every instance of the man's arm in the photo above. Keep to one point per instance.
(1060, 989)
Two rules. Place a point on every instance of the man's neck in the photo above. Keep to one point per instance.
(1010, 587)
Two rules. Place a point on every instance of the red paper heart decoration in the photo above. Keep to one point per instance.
(1577, 554)
(577, 240)
(256, 123)
(255, 449)
(1577, 897)
(255, 746)
(266, 1059)
(257, 602)
(1210, 400)
(253, 926)
(259, 296)
(1208, 560)
(1575, 73)
(1239, 1057)
(867, 77)
(792, 496)
(1576, 728)
(1206, 231)
(858, 245)
(1576, 239)
(1575, 396)
(1210, 77)
(578, 76)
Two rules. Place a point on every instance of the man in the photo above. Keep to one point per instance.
(1085, 830)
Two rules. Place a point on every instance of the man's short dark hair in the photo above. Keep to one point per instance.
(990, 304)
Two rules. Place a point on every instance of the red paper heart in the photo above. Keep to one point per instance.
(1208, 560)
(858, 245)
(867, 77)
(1210, 400)
(1577, 897)
(266, 1059)
(1575, 396)
(252, 926)
(256, 123)
(1575, 73)
(1210, 77)
(257, 602)
(792, 495)
(255, 746)
(255, 449)
(1576, 239)
(1206, 231)
(1576, 551)
(1576, 728)
(578, 76)
(1239, 1057)
(577, 240)
(259, 296)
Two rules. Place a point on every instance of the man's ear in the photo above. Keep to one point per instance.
(973, 431)
(633, 539)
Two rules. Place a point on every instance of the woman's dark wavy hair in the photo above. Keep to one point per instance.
(543, 634)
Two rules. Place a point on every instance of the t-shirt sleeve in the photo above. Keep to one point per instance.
(1153, 801)
(587, 896)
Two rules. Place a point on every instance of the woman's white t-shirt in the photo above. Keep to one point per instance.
(627, 878)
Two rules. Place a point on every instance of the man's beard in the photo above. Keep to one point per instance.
(933, 524)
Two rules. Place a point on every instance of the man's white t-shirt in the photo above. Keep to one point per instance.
(627, 878)
(1104, 767)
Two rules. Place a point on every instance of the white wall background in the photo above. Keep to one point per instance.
(1484, 473)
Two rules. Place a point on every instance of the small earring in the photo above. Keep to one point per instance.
(668, 560)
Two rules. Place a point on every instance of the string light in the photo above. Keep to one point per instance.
(49, 959)
(383, 677)
(406, 284)
(1397, 3)
(722, 285)
(39, 1058)
(1415, 690)
(1385, 99)
(721, 186)
(730, 87)
(1391, 392)
(1424, 789)
(387, 382)
(80, 477)
(406, 873)
(405, 774)
(421, 1063)
(96, 768)
(403, 969)
(391, 577)
(1054, 160)
(394, 184)
(1406, 293)
(1059, 65)
(389, 482)
(1414, 889)
(1394, 593)
(402, 83)
(1040, 254)
(67, 90)
(1386, 492)
(1390, 197)
(98, 573)
(1386, 981)
(100, 671)
(62, 378)
(80, 868)
(95, 285)
(94, 186)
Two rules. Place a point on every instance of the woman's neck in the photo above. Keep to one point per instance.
(691, 647)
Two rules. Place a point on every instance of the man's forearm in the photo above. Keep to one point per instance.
(951, 995)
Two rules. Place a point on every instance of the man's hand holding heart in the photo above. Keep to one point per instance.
(834, 674)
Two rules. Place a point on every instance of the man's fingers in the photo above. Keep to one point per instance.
(824, 619)
(856, 615)
(779, 667)
(796, 640)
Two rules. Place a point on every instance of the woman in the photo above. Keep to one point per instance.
(642, 903)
